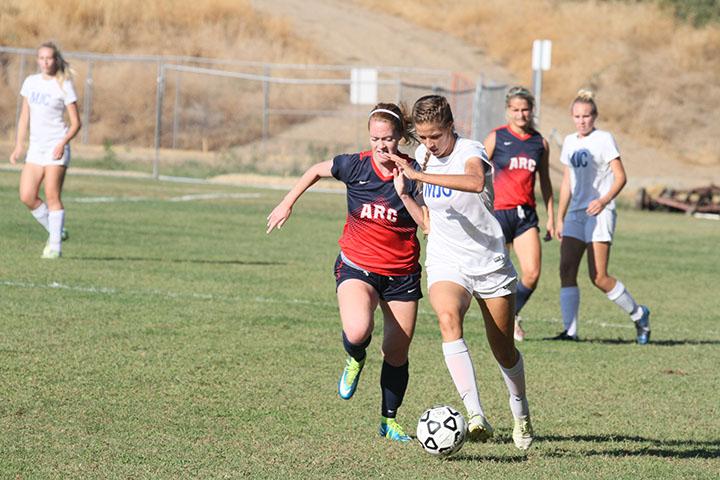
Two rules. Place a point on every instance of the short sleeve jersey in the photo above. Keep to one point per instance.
(589, 160)
(516, 159)
(47, 103)
(464, 232)
(379, 233)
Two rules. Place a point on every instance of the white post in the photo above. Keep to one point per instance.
(176, 107)
(541, 56)
(87, 103)
(266, 105)
(476, 110)
(21, 75)
(158, 118)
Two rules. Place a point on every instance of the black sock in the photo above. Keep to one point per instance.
(356, 351)
(393, 382)
(522, 296)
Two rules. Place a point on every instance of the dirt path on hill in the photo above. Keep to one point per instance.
(350, 34)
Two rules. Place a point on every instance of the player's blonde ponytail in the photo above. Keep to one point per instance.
(588, 97)
(62, 67)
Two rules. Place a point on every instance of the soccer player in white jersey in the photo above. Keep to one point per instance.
(466, 258)
(46, 96)
(593, 176)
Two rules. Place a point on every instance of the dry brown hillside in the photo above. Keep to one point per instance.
(656, 78)
(124, 92)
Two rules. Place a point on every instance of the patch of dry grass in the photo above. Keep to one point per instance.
(655, 78)
(124, 93)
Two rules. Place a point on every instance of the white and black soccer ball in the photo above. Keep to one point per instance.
(441, 430)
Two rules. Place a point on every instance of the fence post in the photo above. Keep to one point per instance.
(476, 110)
(87, 106)
(266, 104)
(21, 75)
(158, 118)
(176, 107)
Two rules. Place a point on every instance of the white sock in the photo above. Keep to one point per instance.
(56, 218)
(569, 306)
(459, 363)
(624, 300)
(515, 380)
(41, 215)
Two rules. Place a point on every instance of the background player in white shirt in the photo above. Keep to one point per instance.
(593, 176)
(466, 258)
(46, 96)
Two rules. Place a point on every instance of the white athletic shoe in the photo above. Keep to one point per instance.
(49, 253)
(479, 429)
(518, 332)
(523, 433)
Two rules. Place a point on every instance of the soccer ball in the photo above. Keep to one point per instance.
(441, 430)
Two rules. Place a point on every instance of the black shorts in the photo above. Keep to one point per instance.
(516, 221)
(404, 288)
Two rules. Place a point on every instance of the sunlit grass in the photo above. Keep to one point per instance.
(175, 339)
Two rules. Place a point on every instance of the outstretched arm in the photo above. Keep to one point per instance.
(283, 210)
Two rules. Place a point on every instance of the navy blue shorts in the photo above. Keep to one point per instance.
(516, 221)
(404, 288)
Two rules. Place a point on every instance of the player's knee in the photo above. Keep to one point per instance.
(600, 280)
(450, 325)
(53, 201)
(395, 356)
(530, 278)
(507, 357)
(29, 199)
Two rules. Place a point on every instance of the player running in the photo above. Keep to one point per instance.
(378, 264)
(46, 96)
(593, 176)
(466, 258)
(519, 152)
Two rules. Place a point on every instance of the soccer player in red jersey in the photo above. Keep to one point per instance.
(519, 152)
(378, 264)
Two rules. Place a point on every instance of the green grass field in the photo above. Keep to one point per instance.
(174, 339)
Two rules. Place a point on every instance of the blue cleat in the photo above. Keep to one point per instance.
(349, 378)
(642, 326)
(389, 428)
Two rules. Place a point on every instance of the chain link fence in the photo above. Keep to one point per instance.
(196, 116)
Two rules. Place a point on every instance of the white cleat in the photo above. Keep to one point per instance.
(523, 433)
(479, 429)
(518, 332)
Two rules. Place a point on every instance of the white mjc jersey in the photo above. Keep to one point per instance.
(47, 103)
(463, 230)
(589, 160)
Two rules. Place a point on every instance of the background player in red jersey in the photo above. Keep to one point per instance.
(518, 152)
(378, 264)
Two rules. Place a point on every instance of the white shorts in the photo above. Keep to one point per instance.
(588, 228)
(499, 283)
(43, 156)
